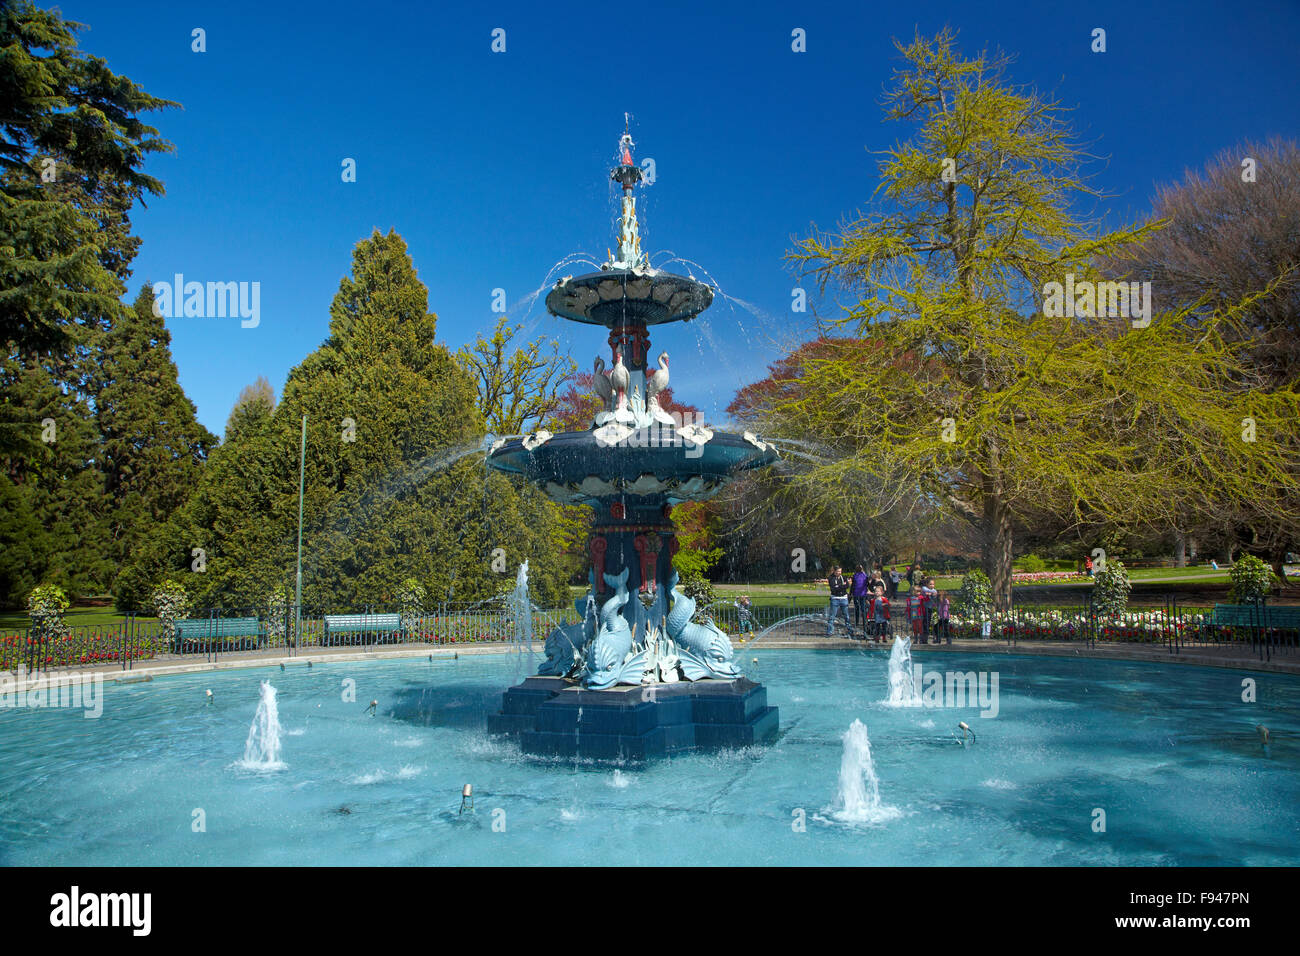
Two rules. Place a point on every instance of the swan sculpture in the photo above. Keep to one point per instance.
(604, 390)
(619, 380)
(656, 381)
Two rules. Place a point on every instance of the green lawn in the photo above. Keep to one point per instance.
(104, 616)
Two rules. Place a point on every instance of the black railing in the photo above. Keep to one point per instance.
(225, 632)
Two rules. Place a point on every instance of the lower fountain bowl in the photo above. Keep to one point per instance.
(588, 466)
(550, 716)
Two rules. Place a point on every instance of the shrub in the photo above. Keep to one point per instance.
(411, 599)
(1252, 579)
(975, 597)
(170, 603)
(131, 590)
(46, 606)
(1032, 564)
(700, 588)
(1111, 588)
(279, 613)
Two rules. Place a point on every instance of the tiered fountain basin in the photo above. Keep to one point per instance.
(656, 461)
(614, 297)
(553, 716)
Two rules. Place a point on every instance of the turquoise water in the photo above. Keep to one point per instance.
(1168, 752)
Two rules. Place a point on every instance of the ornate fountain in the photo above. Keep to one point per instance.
(637, 676)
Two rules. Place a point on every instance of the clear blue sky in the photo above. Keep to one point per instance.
(495, 166)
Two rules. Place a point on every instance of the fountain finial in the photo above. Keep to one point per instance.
(627, 174)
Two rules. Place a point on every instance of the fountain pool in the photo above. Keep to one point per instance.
(1170, 754)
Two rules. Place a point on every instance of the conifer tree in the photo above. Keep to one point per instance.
(152, 445)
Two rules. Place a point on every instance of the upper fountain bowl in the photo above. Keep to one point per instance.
(616, 297)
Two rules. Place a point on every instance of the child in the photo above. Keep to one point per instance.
(880, 614)
(929, 604)
(746, 611)
(944, 627)
(916, 613)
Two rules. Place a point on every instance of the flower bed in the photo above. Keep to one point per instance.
(1042, 577)
(80, 647)
(1131, 626)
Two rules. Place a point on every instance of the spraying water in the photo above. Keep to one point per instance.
(262, 749)
(902, 678)
(522, 610)
(858, 799)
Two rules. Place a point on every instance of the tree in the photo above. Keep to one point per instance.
(51, 522)
(152, 445)
(869, 520)
(959, 382)
(255, 402)
(395, 485)
(517, 389)
(71, 151)
(1232, 232)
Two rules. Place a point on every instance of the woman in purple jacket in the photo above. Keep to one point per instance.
(860, 593)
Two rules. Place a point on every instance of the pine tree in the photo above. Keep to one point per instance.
(70, 161)
(51, 527)
(153, 446)
(395, 483)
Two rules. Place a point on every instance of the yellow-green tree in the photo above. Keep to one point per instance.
(948, 380)
(518, 387)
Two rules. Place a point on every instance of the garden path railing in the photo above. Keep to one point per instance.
(1260, 629)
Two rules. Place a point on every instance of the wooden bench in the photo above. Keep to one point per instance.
(1249, 615)
(358, 624)
(198, 633)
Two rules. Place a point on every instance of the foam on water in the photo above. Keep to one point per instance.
(619, 781)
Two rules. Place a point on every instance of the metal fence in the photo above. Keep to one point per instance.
(1258, 629)
(207, 635)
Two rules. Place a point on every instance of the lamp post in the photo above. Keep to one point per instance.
(297, 595)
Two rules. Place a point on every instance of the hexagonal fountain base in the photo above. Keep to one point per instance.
(632, 723)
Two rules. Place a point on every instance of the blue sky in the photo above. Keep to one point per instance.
(494, 166)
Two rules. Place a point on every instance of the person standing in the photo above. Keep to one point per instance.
(877, 579)
(914, 609)
(880, 614)
(894, 579)
(839, 588)
(745, 611)
(1087, 565)
(859, 594)
(929, 602)
(944, 626)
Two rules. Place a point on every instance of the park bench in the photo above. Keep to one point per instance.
(200, 633)
(1250, 615)
(359, 624)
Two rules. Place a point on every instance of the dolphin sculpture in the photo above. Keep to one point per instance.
(613, 640)
(704, 650)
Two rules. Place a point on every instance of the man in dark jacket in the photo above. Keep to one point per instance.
(839, 586)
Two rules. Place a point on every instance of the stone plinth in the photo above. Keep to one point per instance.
(634, 723)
